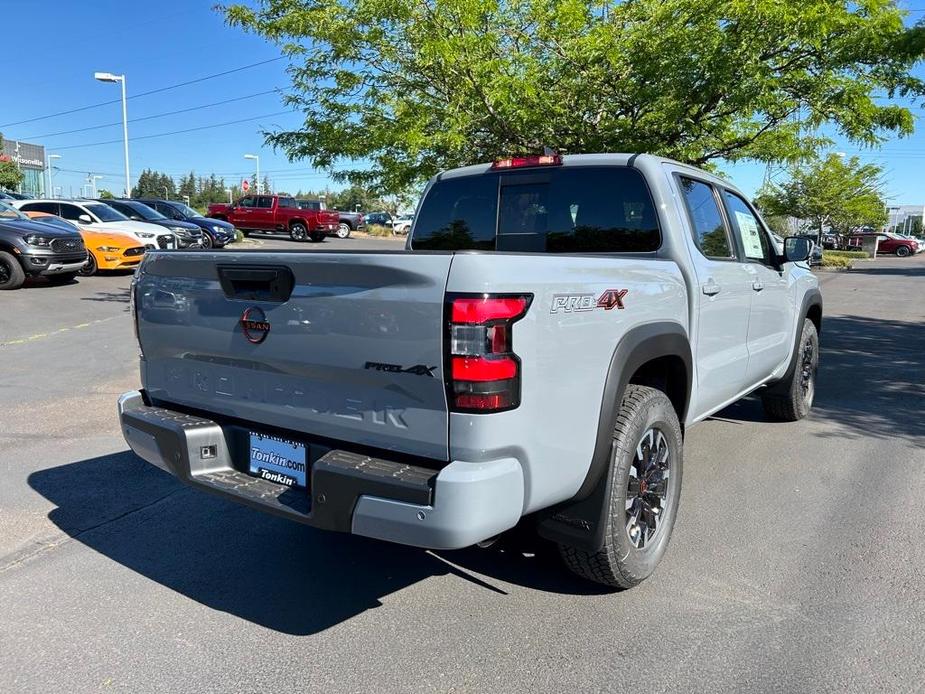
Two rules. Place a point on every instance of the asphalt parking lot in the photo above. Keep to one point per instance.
(796, 565)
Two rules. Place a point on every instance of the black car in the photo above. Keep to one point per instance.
(381, 218)
(30, 249)
(215, 232)
(189, 235)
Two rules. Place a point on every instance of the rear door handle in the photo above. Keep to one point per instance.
(757, 286)
(710, 288)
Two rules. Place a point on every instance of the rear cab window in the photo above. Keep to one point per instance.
(570, 209)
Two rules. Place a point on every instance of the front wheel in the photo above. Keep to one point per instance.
(89, 268)
(645, 489)
(903, 251)
(12, 275)
(792, 398)
(207, 241)
(343, 230)
(298, 232)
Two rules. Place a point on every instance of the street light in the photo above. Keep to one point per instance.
(166, 197)
(51, 174)
(257, 159)
(230, 199)
(109, 77)
(91, 181)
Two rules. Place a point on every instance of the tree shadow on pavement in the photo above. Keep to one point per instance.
(871, 380)
(267, 570)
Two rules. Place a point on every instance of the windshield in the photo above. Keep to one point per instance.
(142, 210)
(185, 210)
(106, 214)
(8, 212)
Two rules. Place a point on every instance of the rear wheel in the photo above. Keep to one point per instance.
(343, 230)
(11, 272)
(317, 236)
(298, 232)
(903, 251)
(89, 268)
(645, 489)
(792, 398)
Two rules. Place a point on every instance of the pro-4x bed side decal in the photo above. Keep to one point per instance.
(575, 303)
(417, 369)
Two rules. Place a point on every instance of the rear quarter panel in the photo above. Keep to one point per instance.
(565, 357)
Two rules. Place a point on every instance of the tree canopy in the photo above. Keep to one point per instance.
(399, 89)
(10, 174)
(835, 192)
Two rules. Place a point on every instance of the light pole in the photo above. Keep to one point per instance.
(109, 77)
(93, 180)
(230, 199)
(51, 175)
(166, 197)
(256, 159)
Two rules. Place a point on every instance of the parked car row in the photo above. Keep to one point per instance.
(60, 239)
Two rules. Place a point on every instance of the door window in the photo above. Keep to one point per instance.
(71, 212)
(752, 236)
(247, 203)
(265, 202)
(710, 233)
(49, 207)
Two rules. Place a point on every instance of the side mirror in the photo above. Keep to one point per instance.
(85, 219)
(797, 249)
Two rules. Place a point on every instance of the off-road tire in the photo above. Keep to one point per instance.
(619, 563)
(11, 273)
(791, 399)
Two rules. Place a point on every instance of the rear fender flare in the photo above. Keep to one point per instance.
(581, 521)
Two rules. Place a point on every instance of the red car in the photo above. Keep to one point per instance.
(277, 214)
(894, 243)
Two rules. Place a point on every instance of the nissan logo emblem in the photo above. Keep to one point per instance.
(255, 325)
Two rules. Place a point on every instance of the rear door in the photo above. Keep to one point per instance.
(263, 215)
(723, 296)
(352, 353)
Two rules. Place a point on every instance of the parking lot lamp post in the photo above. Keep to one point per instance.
(109, 77)
(230, 198)
(256, 158)
(94, 179)
(51, 174)
(166, 197)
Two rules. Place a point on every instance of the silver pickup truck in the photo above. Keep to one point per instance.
(538, 350)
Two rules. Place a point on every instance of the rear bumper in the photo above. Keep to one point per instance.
(387, 499)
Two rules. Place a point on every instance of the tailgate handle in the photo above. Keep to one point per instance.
(256, 282)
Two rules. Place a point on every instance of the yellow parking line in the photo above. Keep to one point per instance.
(39, 336)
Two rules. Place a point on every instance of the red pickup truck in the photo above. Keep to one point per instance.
(277, 214)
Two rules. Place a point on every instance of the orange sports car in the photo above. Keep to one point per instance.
(107, 251)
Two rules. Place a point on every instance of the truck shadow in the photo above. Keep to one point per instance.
(269, 571)
(871, 380)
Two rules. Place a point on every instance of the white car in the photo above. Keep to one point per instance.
(96, 215)
(402, 223)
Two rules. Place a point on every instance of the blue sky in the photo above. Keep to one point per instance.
(58, 46)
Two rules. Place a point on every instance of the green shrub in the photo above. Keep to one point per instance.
(238, 235)
(837, 261)
(844, 254)
(379, 230)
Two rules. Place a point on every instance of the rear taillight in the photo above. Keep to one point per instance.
(483, 373)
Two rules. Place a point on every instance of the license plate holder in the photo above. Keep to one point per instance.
(278, 460)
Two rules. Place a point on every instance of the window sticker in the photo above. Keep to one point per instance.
(751, 238)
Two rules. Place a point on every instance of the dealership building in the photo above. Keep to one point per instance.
(31, 160)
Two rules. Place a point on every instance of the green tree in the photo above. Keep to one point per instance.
(403, 89)
(835, 192)
(348, 199)
(105, 194)
(10, 174)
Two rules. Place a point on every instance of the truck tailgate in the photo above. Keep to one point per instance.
(353, 353)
